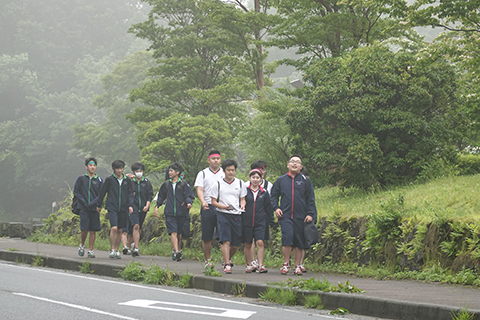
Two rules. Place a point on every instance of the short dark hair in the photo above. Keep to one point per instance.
(117, 164)
(176, 166)
(258, 164)
(294, 155)
(229, 162)
(90, 159)
(137, 166)
(213, 152)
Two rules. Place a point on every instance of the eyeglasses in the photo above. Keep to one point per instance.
(295, 161)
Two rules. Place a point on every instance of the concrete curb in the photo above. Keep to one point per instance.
(354, 303)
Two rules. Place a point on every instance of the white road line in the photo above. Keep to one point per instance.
(188, 308)
(75, 306)
(149, 288)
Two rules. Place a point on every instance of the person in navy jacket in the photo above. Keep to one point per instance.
(87, 187)
(297, 207)
(257, 217)
(119, 204)
(179, 197)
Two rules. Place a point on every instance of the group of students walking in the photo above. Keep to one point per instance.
(232, 210)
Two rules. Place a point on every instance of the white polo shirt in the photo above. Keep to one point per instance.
(229, 194)
(207, 179)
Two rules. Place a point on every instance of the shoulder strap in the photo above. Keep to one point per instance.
(218, 195)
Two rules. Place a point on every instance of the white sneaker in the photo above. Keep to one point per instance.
(81, 250)
(111, 255)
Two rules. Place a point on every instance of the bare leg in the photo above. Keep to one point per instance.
(83, 237)
(117, 239)
(233, 250)
(91, 239)
(298, 254)
(226, 251)
(207, 249)
(136, 235)
(124, 239)
(260, 252)
(247, 251)
(287, 251)
(113, 237)
(179, 236)
(174, 240)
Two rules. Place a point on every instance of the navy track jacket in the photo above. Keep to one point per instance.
(176, 205)
(259, 211)
(296, 195)
(87, 189)
(142, 193)
(119, 198)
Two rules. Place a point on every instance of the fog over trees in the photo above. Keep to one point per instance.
(167, 80)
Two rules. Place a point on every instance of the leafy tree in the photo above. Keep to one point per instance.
(199, 70)
(460, 45)
(377, 117)
(266, 134)
(330, 28)
(182, 138)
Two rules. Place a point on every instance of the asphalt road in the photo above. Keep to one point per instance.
(39, 293)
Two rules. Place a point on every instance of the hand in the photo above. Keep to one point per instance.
(308, 219)
(205, 206)
(145, 209)
(99, 209)
(130, 210)
(156, 212)
(228, 207)
(130, 175)
(189, 205)
(279, 213)
(242, 208)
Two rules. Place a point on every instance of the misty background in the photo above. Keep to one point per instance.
(60, 65)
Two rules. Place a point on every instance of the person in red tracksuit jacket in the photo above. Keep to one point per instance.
(297, 207)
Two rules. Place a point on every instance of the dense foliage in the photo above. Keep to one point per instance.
(376, 117)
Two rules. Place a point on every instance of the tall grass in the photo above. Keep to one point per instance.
(455, 197)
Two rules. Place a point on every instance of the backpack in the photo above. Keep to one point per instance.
(75, 209)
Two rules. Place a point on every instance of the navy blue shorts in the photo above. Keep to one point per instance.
(209, 222)
(256, 232)
(175, 224)
(292, 233)
(89, 220)
(136, 218)
(118, 219)
(229, 228)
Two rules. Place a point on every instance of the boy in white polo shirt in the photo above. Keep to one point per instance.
(206, 179)
(229, 199)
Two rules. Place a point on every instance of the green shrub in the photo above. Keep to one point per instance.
(468, 164)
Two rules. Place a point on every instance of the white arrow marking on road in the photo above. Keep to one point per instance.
(188, 308)
(76, 306)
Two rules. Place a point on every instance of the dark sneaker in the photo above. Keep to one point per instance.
(178, 255)
(135, 252)
(125, 250)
